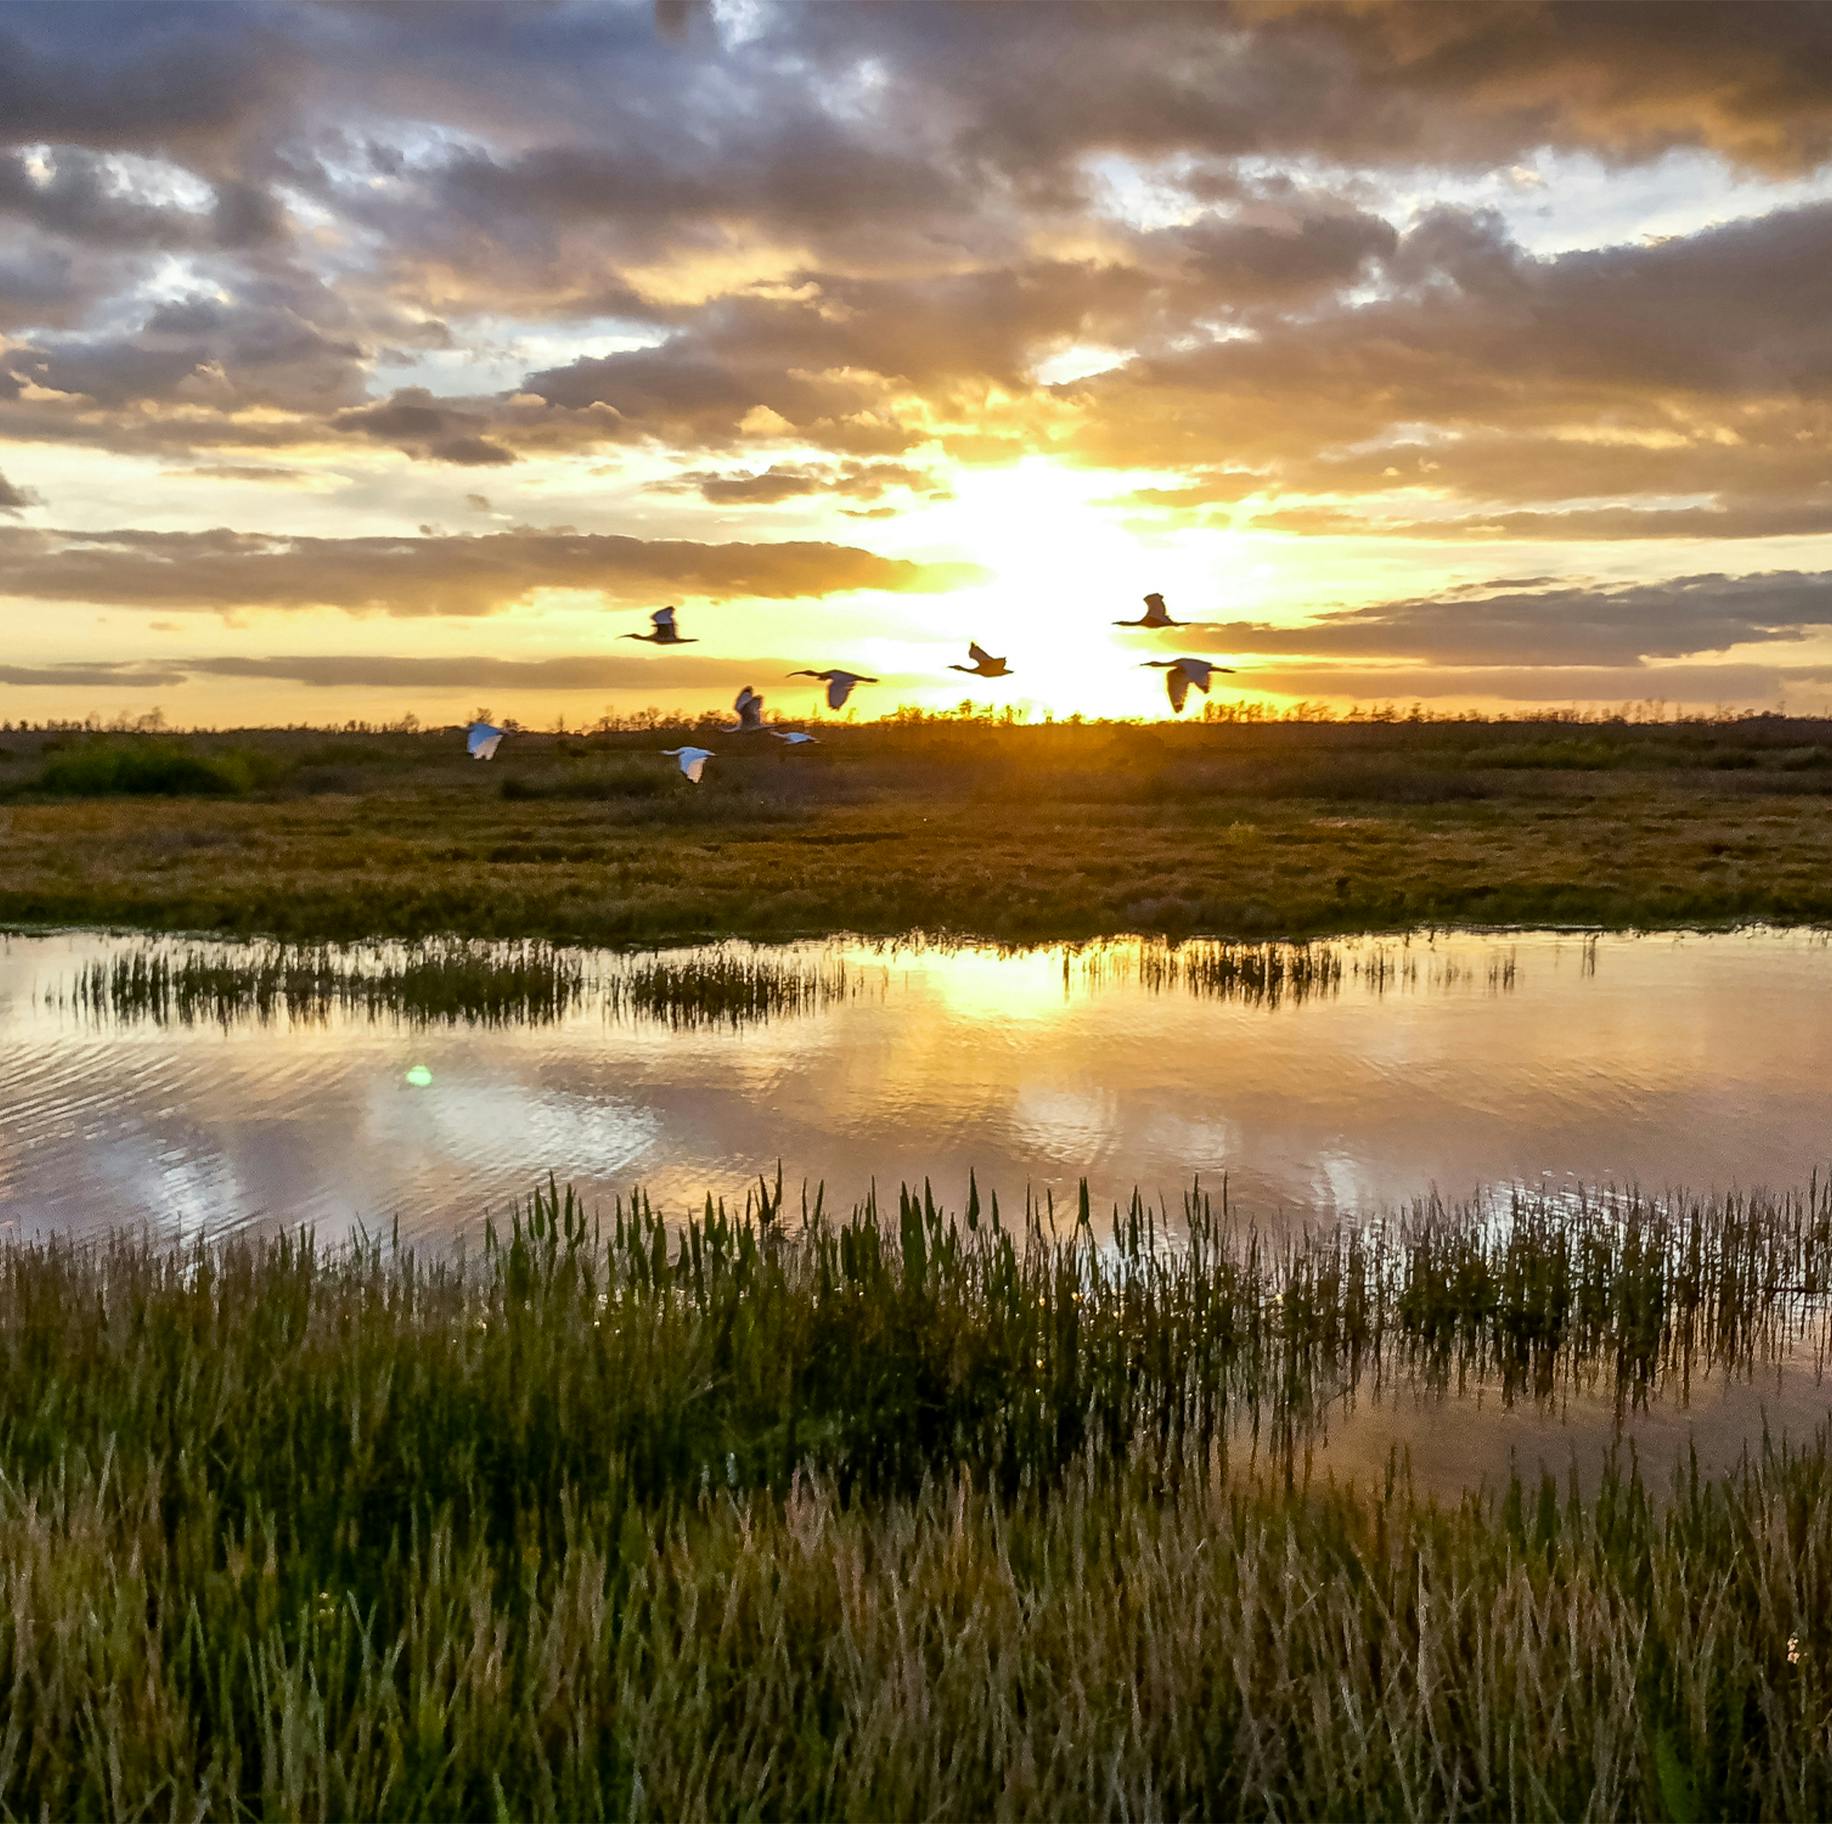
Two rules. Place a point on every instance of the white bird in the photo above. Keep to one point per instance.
(794, 736)
(839, 684)
(481, 741)
(663, 631)
(1180, 674)
(749, 710)
(693, 760)
(1155, 615)
(984, 664)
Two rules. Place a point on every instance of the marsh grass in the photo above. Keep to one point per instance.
(450, 981)
(894, 1514)
(729, 986)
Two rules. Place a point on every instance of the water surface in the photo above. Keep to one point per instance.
(1359, 1077)
(1444, 1065)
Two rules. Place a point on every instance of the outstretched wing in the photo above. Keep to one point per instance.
(838, 690)
(978, 653)
(483, 741)
(1176, 681)
(1200, 675)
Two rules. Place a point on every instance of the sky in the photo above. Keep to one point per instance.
(359, 360)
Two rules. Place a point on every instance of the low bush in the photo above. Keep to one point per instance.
(112, 769)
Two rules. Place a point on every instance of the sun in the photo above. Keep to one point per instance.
(1064, 559)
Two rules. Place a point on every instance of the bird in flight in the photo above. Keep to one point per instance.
(984, 664)
(839, 684)
(749, 710)
(481, 741)
(663, 631)
(693, 760)
(1180, 674)
(794, 736)
(1155, 615)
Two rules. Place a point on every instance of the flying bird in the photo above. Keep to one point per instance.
(839, 684)
(693, 760)
(663, 631)
(481, 741)
(749, 710)
(1180, 674)
(984, 664)
(1155, 615)
(794, 736)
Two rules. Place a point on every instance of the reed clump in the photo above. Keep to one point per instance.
(728, 986)
(895, 1513)
(451, 980)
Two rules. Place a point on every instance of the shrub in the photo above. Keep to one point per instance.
(108, 769)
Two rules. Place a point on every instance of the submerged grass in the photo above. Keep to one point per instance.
(892, 1515)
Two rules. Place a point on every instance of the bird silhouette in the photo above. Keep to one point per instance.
(663, 631)
(749, 710)
(482, 740)
(839, 684)
(1180, 674)
(1155, 615)
(984, 664)
(693, 760)
(794, 736)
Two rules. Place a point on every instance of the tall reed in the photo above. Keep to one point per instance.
(775, 1513)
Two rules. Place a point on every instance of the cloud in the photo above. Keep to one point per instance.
(384, 671)
(851, 480)
(84, 197)
(1559, 626)
(1693, 684)
(250, 471)
(222, 571)
(412, 420)
(15, 499)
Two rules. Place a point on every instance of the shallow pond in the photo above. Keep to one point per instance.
(1360, 1075)
(1317, 1082)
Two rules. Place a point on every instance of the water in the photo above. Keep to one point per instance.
(1451, 1065)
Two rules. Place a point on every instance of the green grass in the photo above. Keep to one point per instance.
(149, 768)
(895, 1515)
(1013, 834)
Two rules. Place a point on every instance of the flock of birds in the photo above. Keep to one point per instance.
(1180, 675)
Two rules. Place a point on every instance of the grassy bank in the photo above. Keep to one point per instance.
(1009, 833)
(894, 1516)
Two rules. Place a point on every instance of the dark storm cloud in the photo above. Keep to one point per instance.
(222, 571)
(1558, 626)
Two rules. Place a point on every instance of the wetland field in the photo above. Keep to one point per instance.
(963, 828)
(969, 1272)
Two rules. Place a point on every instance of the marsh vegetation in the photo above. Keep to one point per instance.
(1236, 830)
(788, 1514)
